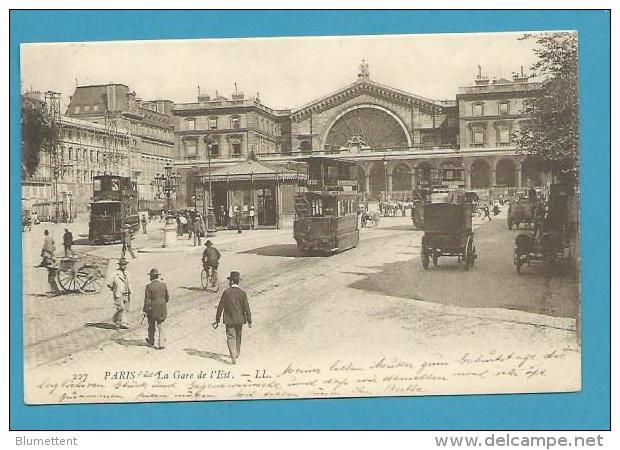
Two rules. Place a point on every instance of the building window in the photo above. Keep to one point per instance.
(504, 108)
(190, 148)
(215, 150)
(478, 137)
(477, 110)
(76, 109)
(86, 108)
(95, 107)
(305, 146)
(504, 136)
(190, 124)
(213, 123)
(236, 150)
(235, 122)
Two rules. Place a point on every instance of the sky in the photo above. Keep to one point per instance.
(286, 72)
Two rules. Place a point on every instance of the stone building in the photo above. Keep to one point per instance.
(489, 114)
(149, 123)
(88, 149)
(401, 141)
(233, 129)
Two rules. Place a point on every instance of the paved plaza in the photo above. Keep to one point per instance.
(301, 304)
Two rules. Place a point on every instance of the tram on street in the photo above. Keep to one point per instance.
(326, 214)
(439, 187)
(114, 206)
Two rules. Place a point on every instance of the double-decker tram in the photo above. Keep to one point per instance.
(326, 214)
(114, 206)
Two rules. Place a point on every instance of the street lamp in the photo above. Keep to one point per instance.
(210, 214)
(167, 184)
(385, 178)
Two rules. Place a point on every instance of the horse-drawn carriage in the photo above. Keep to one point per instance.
(448, 232)
(83, 273)
(549, 241)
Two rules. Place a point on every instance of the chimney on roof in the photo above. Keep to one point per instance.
(237, 95)
(519, 77)
(481, 80)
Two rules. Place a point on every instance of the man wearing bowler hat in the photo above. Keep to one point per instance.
(155, 300)
(234, 304)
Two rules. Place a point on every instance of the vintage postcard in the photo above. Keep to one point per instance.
(309, 217)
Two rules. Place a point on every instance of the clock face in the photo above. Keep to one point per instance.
(354, 148)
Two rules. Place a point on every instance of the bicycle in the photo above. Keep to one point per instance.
(208, 280)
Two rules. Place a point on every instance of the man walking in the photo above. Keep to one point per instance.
(121, 292)
(487, 213)
(143, 222)
(234, 304)
(127, 238)
(47, 253)
(67, 242)
(155, 300)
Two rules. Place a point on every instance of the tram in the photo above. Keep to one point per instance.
(438, 186)
(114, 205)
(326, 214)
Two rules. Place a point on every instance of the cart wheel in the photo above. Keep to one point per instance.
(468, 255)
(68, 281)
(88, 279)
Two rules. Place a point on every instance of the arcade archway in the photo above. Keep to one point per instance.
(506, 173)
(480, 174)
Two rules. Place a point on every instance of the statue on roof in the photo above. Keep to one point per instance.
(364, 73)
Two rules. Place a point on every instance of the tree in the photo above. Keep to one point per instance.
(550, 132)
(35, 136)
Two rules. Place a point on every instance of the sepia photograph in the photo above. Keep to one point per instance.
(300, 217)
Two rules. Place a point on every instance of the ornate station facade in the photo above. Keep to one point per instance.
(398, 140)
(401, 140)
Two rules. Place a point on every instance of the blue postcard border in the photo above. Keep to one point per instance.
(585, 410)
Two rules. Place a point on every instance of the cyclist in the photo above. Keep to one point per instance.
(211, 258)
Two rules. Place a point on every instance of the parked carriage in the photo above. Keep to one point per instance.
(83, 273)
(448, 232)
(549, 242)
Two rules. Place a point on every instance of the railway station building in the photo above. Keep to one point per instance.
(398, 140)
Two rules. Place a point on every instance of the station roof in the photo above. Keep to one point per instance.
(254, 171)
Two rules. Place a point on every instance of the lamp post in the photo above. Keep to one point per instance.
(385, 178)
(167, 184)
(210, 214)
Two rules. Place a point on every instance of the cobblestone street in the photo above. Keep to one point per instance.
(299, 303)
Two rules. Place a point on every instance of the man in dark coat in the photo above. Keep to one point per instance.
(155, 300)
(67, 242)
(234, 304)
